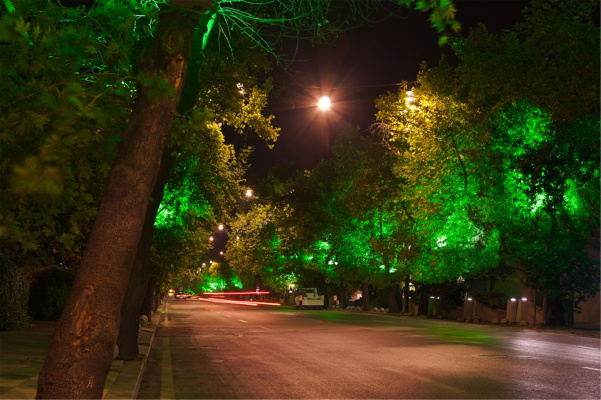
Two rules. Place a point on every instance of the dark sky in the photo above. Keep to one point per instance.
(362, 65)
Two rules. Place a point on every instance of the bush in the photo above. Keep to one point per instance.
(48, 292)
(14, 292)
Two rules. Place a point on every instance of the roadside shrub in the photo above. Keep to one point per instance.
(14, 291)
(48, 292)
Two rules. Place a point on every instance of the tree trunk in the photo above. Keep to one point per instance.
(393, 304)
(148, 299)
(406, 295)
(424, 299)
(81, 352)
(157, 299)
(138, 280)
(555, 312)
(343, 292)
(365, 296)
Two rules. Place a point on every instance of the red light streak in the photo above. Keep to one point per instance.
(240, 302)
(234, 293)
(212, 300)
(265, 303)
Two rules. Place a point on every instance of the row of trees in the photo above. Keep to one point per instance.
(112, 119)
(482, 168)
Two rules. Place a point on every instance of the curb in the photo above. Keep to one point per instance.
(133, 370)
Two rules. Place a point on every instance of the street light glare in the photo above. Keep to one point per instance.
(324, 103)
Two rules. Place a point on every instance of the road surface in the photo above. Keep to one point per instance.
(205, 350)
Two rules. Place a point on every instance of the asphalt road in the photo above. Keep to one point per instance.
(205, 350)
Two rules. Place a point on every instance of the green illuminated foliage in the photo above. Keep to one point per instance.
(206, 183)
(67, 88)
(552, 218)
(112, 27)
(498, 154)
(441, 157)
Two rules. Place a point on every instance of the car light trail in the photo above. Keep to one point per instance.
(240, 302)
(266, 303)
(233, 293)
(226, 301)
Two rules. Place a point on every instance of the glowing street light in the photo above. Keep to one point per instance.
(324, 103)
(220, 227)
(249, 193)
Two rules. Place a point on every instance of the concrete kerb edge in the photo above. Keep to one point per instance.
(156, 320)
(129, 378)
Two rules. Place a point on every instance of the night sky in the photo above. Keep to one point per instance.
(362, 65)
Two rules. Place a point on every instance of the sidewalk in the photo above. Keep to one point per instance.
(22, 354)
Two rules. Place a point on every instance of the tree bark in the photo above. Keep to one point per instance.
(81, 352)
(136, 293)
(138, 280)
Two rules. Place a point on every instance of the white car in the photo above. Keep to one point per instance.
(309, 298)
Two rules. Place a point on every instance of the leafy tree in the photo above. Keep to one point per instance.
(204, 176)
(66, 93)
(255, 249)
(544, 91)
(440, 157)
(551, 59)
(159, 77)
(553, 203)
(341, 219)
(490, 158)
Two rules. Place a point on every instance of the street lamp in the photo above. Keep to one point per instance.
(324, 103)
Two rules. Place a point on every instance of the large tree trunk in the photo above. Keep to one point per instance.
(138, 280)
(131, 310)
(81, 352)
